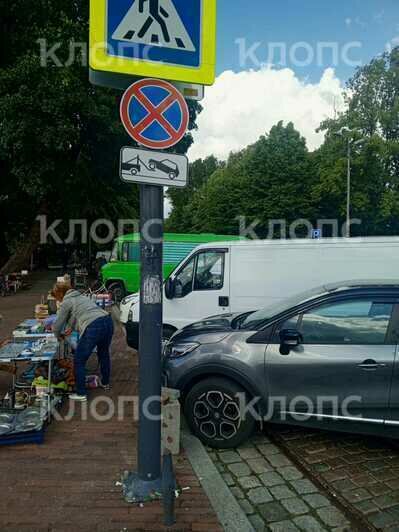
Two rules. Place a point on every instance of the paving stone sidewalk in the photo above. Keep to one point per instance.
(274, 493)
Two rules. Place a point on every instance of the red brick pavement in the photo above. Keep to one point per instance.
(69, 483)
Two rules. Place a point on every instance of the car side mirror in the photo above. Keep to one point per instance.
(289, 339)
(169, 288)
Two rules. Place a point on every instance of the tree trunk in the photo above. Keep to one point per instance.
(20, 260)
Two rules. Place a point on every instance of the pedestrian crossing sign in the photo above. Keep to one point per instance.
(166, 39)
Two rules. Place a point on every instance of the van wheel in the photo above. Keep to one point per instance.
(213, 413)
(118, 291)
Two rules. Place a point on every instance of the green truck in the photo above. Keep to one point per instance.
(121, 275)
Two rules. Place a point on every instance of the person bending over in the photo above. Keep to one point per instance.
(94, 325)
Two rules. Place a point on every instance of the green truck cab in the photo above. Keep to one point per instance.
(121, 275)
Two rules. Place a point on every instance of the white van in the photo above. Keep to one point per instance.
(225, 277)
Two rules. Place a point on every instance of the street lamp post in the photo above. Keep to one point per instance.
(348, 191)
(347, 133)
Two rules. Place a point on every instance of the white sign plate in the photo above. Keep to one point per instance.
(153, 168)
(190, 91)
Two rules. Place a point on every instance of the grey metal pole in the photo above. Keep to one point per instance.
(348, 193)
(168, 490)
(146, 482)
(150, 333)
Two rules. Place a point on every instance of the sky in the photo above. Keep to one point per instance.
(287, 60)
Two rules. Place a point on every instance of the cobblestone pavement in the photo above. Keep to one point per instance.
(273, 491)
(362, 472)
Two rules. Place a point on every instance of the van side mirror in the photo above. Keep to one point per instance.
(289, 339)
(169, 288)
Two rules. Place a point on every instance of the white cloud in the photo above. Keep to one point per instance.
(242, 106)
(393, 43)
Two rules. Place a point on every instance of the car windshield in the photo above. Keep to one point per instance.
(256, 318)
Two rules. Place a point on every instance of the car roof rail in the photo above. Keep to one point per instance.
(359, 283)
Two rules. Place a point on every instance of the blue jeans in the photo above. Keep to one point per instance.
(98, 334)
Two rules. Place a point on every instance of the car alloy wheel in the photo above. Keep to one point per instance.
(212, 409)
(217, 415)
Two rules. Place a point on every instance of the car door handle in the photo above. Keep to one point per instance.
(370, 364)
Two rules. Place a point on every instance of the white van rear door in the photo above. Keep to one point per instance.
(201, 288)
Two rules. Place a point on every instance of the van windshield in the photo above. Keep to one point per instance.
(260, 316)
(114, 253)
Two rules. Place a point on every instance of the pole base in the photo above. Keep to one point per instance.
(136, 490)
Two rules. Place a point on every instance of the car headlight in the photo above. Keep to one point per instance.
(179, 350)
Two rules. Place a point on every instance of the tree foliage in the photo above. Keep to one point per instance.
(60, 137)
(373, 114)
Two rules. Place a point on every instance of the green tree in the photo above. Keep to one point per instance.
(373, 114)
(181, 216)
(261, 183)
(60, 136)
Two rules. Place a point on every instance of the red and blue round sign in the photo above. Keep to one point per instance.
(154, 113)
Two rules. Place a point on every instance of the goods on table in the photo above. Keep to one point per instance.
(26, 426)
(42, 347)
(41, 311)
(51, 304)
(34, 329)
(30, 419)
(12, 350)
(42, 383)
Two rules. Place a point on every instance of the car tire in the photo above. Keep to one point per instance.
(172, 175)
(118, 292)
(212, 411)
(151, 166)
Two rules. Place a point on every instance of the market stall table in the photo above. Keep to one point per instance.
(39, 351)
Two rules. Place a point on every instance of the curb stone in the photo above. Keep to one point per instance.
(231, 516)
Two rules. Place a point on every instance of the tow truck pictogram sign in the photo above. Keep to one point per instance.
(153, 168)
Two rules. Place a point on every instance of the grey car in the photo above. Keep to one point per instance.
(326, 358)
